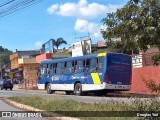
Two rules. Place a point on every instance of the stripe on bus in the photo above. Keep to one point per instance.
(95, 78)
(101, 54)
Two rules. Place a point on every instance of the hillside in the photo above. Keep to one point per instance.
(4, 56)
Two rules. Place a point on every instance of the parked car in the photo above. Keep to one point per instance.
(5, 84)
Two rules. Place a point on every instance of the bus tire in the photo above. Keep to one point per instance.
(68, 92)
(78, 89)
(49, 91)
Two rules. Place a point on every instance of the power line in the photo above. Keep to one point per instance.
(7, 3)
(14, 6)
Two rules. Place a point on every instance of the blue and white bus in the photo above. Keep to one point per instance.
(89, 73)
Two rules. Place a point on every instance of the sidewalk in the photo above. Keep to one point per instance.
(115, 94)
(18, 88)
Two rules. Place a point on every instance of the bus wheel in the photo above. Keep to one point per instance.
(68, 92)
(49, 91)
(78, 89)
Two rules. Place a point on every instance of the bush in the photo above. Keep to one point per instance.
(155, 59)
(151, 85)
(94, 110)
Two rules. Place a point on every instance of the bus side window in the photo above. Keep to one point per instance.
(93, 65)
(54, 68)
(43, 69)
(51, 69)
(58, 69)
(88, 62)
(80, 66)
(75, 67)
(63, 65)
(100, 63)
(68, 68)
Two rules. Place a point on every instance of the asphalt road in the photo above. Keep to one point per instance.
(87, 99)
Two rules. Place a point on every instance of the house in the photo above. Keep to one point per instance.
(24, 65)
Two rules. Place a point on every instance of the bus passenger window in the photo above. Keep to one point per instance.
(80, 66)
(100, 63)
(75, 66)
(43, 69)
(69, 68)
(58, 69)
(88, 64)
(63, 65)
(51, 69)
(93, 65)
(54, 68)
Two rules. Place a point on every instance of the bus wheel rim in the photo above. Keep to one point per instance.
(48, 88)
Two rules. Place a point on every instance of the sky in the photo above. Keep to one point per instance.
(52, 19)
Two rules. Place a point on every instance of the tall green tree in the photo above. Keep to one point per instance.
(58, 42)
(4, 56)
(137, 23)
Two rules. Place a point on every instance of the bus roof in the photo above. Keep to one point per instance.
(70, 58)
(77, 58)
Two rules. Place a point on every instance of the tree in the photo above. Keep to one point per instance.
(4, 58)
(43, 48)
(137, 24)
(58, 42)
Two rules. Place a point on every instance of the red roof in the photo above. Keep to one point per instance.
(101, 43)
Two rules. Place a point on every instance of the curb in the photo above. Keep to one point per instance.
(29, 108)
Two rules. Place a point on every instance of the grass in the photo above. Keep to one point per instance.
(60, 105)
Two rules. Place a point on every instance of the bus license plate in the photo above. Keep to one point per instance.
(119, 86)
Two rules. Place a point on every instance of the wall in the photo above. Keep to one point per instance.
(30, 71)
(30, 76)
(148, 72)
(43, 57)
(14, 63)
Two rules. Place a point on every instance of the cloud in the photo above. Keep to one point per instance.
(82, 9)
(82, 25)
(52, 8)
(103, 27)
(39, 44)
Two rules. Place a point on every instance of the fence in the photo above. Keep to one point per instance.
(142, 60)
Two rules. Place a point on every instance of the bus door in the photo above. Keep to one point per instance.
(42, 74)
(94, 77)
(58, 77)
(67, 75)
(80, 72)
(52, 73)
